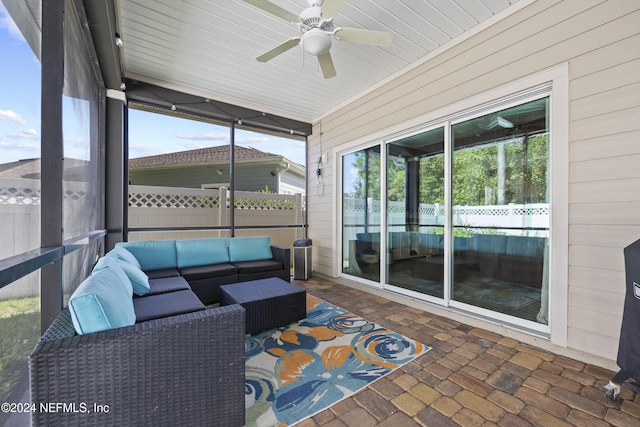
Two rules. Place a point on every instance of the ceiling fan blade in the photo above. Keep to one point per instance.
(274, 9)
(356, 35)
(326, 64)
(330, 8)
(281, 48)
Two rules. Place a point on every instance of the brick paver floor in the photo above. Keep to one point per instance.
(470, 377)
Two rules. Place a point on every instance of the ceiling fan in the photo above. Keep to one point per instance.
(316, 29)
(494, 120)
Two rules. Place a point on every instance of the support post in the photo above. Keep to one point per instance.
(52, 157)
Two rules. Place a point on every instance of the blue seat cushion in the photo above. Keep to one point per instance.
(368, 237)
(163, 272)
(249, 248)
(153, 254)
(258, 266)
(208, 271)
(195, 252)
(487, 243)
(524, 246)
(164, 305)
(167, 284)
(103, 301)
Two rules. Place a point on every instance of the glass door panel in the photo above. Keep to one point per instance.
(415, 213)
(500, 215)
(361, 213)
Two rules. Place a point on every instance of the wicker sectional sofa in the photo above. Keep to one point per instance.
(184, 370)
(509, 258)
(136, 344)
(206, 264)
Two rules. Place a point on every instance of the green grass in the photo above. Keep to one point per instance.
(19, 332)
(14, 307)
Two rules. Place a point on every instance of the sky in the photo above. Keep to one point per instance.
(149, 134)
(19, 94)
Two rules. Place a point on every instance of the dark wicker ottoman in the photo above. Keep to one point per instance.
(269, 303)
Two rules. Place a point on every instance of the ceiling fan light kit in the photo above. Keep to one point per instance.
(316, 29)
(493, 121)
(316, 42)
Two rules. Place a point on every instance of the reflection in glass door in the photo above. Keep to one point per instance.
(500, 214)
(467, 213)
(415, 213)
(361, 213)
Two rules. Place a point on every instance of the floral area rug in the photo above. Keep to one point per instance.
(296, 371)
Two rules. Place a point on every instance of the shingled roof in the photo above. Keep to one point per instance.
(31, 168)
(200, 156)
(22, 168)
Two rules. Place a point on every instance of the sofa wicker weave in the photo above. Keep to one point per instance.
(184, 370)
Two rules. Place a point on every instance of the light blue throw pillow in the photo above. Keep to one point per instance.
(197, 252)
(153, 254)
(103, 301)
(139, 280)
(123, 254)
(249, 248)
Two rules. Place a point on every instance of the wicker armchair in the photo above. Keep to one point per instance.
(185, 370)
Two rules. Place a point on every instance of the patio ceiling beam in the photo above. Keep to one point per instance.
(174, 101)
(102, 24)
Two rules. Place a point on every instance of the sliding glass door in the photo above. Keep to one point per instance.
(361, 213)
(501, 210)
(415, 212)
(465, 212)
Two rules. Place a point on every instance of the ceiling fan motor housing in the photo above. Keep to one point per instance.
(315, 30)
(311, 17)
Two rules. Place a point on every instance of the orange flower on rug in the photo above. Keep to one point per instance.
(298, 370)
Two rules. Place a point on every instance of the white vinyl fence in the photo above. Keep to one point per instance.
(159, 207)
(508, 219)
(149, 207)
(20, 228)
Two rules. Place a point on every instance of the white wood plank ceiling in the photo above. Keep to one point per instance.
(209, 48)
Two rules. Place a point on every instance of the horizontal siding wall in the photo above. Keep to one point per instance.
(320, 207)
(604, 211)
(600, 42)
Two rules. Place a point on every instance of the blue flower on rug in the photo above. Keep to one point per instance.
(319, 312)
(295, 371)
(384, 346)
(283, 341)
(252, 347)
(260, 391)
(348, 323)
(311, 382)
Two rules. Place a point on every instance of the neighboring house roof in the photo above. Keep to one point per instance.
(30, 168)
(202, 156)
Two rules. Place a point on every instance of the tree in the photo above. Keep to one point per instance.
(475, 169)
(432, 179)
(367, 184)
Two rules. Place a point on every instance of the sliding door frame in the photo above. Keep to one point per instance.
(552, 83)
